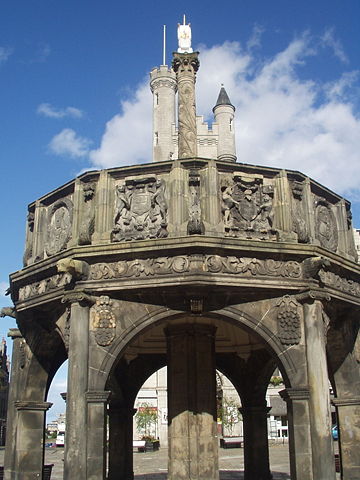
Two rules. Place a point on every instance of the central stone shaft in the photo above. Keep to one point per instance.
(185, 66)
(193, 443)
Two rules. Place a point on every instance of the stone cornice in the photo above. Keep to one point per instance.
(312, 295)
(33, 406)
(345, 402)
(97, 396)
(78, 296)
(297, 393)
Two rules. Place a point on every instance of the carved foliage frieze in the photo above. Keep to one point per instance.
(44, 286)
(325, 225)
(103, 321)
(195, 263)
(140, 210)
(59, 223)
(288, 319)
(247, 207)
(330, 279)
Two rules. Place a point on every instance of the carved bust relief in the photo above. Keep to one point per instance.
(59, 226)
(140, 210)
(326, 226)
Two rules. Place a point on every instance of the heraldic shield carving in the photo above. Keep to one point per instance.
(140, 210)
(247, 207)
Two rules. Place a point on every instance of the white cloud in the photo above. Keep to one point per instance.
(5, 53)
(127, 137)
(48, 110)
(328, 39)
(282, 118)
(67, 142)
(3, 287)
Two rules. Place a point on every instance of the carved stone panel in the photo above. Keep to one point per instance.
(195, 224)
(140, 210)
(59, 225)
(298, 216)
(247, 208)
(289, 331)
(87, 225)
(103, 321)
(326, 226)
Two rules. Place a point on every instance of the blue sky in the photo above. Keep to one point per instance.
(74, 92)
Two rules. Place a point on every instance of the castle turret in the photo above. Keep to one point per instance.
(224, 116)
(163, 86)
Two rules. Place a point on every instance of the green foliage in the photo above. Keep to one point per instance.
(229, 415)
(146, 419)
(276, 381)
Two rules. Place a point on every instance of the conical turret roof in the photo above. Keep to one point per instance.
(223, 99)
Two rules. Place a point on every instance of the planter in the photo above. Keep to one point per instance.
(152, 446)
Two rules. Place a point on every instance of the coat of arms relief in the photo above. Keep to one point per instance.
(247, 207)
(140, 210)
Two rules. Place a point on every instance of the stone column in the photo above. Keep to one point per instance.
(297, 400)
(256, 448)
(77, 385)
(14, 388)
(96, 434)
(319, 402)
(193, 443)
(348, 414)
(185, 66)
(30, 439)
(120, 442)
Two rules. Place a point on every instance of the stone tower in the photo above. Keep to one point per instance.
(224, 116)
(163, 86)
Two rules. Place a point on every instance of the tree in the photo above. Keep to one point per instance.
(146, 419)
(229, 414)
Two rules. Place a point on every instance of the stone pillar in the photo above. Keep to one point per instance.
(185, 66)
(77, 385)
(120, 442)
(256, 448)
(14, 388)
(319, 402)
(96, 434)
(297, 400)
(348, 414)
(30, 440)
(193, 443)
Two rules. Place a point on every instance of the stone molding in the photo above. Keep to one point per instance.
(14, 333)
(310, 296)
(291, 394)
(97, 396)
(33, 406)
(149, 267)
(78, 297)
(162, 82)
(345, 402)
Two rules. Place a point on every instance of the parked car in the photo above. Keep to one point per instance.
(334, 432)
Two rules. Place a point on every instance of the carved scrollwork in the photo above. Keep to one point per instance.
(140, 210)
(103, 321)
(326, 226)
(195, 263)
(247, 207)
(44, 286)
(60, 218)
(288, 317)
(330, 279)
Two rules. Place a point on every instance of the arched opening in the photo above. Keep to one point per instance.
(202, 345)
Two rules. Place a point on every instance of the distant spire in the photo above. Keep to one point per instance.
(223, 98)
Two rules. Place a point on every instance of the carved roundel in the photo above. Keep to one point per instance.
(326, 227)
(59, 226)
